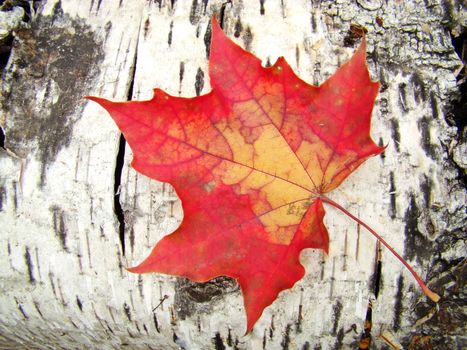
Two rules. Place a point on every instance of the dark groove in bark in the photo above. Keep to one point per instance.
(27, 257)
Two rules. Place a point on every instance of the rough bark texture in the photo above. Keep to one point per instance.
(74, 214)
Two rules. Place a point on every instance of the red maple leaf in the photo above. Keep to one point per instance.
(251, 162)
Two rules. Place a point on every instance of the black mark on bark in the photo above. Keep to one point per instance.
(207, 39)
(434, 105)
(416, 244)
(247, 38)
(395, 133)
(306, 346)
(28, 259)
(2, 197)
(58, 219)
(298, 323)
(261, 9)
(147, 26)
(424, 124)
(426, 187)
(36, 305)
(2, 138)
(180, 76)
(403, 97)
(79, 303)
(419, 88)
(126, 309)
(337, 310)
(21, 309)
(398, 307)
(169, 37)
(238, 28)
(229, 338)
(199, 82)
(392, 196)
(156, 322)
(272, 328)
(218, 342)
(286, 338)
(313, 22)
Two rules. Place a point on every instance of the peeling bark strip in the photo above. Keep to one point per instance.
(58, 166)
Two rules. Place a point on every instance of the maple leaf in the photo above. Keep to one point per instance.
(251, 162)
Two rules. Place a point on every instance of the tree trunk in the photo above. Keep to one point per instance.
(74, 213)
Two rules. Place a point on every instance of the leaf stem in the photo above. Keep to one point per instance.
(430, 294)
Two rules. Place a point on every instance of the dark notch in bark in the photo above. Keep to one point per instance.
(403, 97)
(222, 13)
(58, 218)
(79, 303)
(199, 82)
(395, 133)
(126, 309)
(337, 310)
(20, 308)
(169, 37)
(392, 196)
(424, 124)
(313, 22)
(417, 246)
(36, 305)
(306, 346)
(147, 25)
(2, 138)
(419, 88)
(180, 76)
(218, 342)
(396, 322)
(426, 186)
(238, 28)
(156, 322)
(229, 338)
(298, 322)
(28, 259)
(207, 39)
(286, 339)
(272, 328)
(261, 9)
(377, 276)
(365, 339)
(2, 196)
(382, 155)
(247, 39)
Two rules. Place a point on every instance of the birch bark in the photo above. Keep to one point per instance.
(74, 213)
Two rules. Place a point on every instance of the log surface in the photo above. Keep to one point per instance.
(74, 213)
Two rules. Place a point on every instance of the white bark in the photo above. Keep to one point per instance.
(63, 283)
